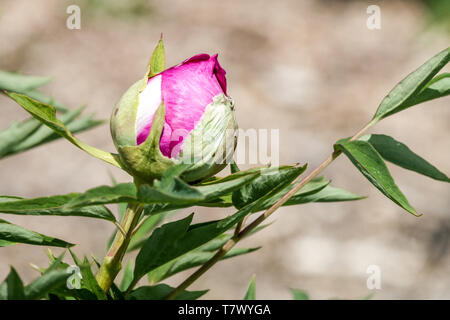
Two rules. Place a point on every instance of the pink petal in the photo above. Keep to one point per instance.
(186, 90)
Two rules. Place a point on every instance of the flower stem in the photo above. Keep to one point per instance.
(112, 263)
(242, 233)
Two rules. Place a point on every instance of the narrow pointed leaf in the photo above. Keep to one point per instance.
(299, 294)
(325, 194)
(47, 115)
(21, 83)
(396, 152)
(160, 291)
(49, 281)
(122, 192)
(370, 163)
(397, 99)
(16, 133)
(191, 260)
(54, 206)
(155, 250)
(127, 276)
(251, 291)
(89, 282)
(15, 234)
(140, 235)
(438, 87)
(27, 85)
(12, 287)
(198, 257)
(328, 194)
(170, 190)
(175, 239)
(44, 134)
(263, 184)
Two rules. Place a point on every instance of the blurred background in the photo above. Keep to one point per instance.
(311, 69)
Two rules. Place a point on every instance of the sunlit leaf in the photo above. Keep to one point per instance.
(12, 287)
(47, 115)
(399, 154)
(402, 96)
(11, 233)
(54, 206)
(160, 291)
(299, 294)
(370, 163)
(251, 291)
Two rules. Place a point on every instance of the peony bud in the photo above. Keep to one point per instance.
(181, 115)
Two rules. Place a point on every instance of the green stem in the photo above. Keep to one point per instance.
(112, 263)
(239, 235)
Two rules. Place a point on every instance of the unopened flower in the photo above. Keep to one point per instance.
(182, 114)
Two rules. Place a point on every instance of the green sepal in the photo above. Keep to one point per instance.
(145, 161)
(124, 116)
(157, 62)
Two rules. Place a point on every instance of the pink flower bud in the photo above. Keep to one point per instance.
(186, 89)
(198, 118)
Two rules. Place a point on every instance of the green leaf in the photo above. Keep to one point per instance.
(370, 163)
(90, 290)
(49, 281)
(4, 243)
(251, 291)
(225, 185)
(149, 224)
(438, 87)
(315, 191)
(160, 291)
(44, 134)
(12, 288)
(27, 85)
(116, 293)
(21, 83)
(191, 260)
(368, 297)
(54, 206)
(401, 96)
(328, 194)
(155, 250)
(89, 282)
(399, 154)
(299, 294)
(16, 133)
(157, 61)
(264, 183)
(15, 234)
(122, 192)
(8, 198)
(127, 276)
(56, 263)
(234, 167)
(198, 257)
(47, 115)
(23, 136)
(19, 137)
(174, 239)
(169, 190)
